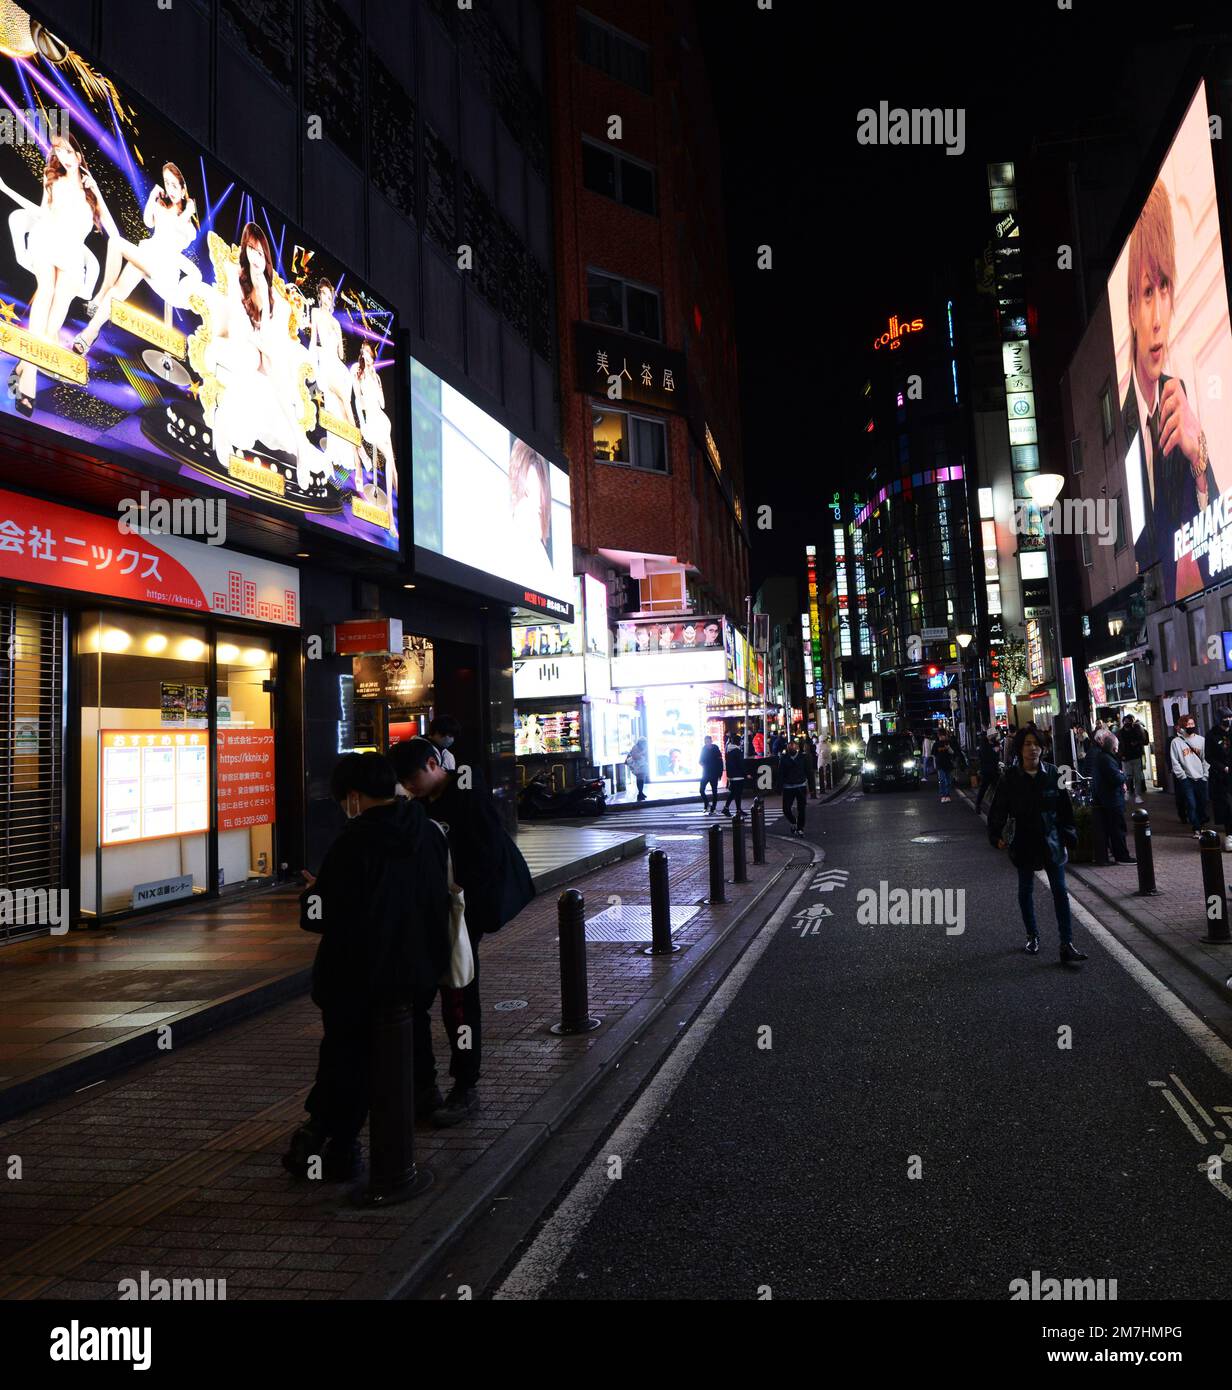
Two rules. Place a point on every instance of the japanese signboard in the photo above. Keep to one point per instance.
(45, 543)
(245, 778)
(154, 784)
(648, 373)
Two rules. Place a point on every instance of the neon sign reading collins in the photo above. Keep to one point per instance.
(893, 336)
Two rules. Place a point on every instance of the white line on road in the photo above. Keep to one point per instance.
(1185, 1019)
(1184, 1090)
(1184, 1114)
(538, 1267)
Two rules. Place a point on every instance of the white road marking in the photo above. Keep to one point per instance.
(1206, 1040)
(1184, 1114)
(538, 1267)
(1185, 1091)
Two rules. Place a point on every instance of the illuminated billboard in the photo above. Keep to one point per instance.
(490, 512)
(154, 309)
(1168, 302)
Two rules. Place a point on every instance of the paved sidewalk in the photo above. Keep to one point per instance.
(173, 1168)
(1176, 918)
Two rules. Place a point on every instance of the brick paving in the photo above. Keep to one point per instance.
(174, 1168)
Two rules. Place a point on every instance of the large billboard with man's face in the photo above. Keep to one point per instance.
(1169, 308)
(155, 309)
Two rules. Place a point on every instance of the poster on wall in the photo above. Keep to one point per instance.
(679, 635)
(157, 310)
(405, 679)
(1168, 303)
(153, 784)
(557, 731)
(245, 778)
(484, 499)
(675, 725)
(172, 704)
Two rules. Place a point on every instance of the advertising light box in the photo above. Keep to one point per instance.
(490, 512)
(154, 309)
(154, 784)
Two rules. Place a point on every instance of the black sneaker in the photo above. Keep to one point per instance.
(461, 1103)
(1032, 946)
(1070, 952)
(306, 1143)
(428, 1102)
(341, 1162)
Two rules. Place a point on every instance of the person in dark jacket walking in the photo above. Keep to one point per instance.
(736, 771)
(1219, 781)
(711, 764)
(795, 788)
(380, 904)
(1108, 801)
(496, 883)
(1033, 817)
(989, 754)
(1134, 741)
(943, 757)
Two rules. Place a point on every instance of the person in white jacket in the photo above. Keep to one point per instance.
(823, 763)
(926, 754)
(1189, 767)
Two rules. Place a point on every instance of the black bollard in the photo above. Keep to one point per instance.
(574, 994)
(392, 1173)
(740, 868)
(759, 831)
(660, 907)
(716, 864)
(1144, 854)
(1214, 892)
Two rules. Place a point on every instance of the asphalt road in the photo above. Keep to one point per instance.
(901, 1049)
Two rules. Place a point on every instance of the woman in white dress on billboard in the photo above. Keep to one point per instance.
(256, 359)
(334, 379)
(373, 422)
(172, 217)
(49, 240)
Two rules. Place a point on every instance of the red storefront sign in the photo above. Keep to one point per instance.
(45, 543)
(245, 778)
(368, 635)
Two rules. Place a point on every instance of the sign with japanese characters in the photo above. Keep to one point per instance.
(245, 778)
(649, 373)
(62, 548)
(154, 784)
(155, 309)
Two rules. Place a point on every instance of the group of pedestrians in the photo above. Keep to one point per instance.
(395, 931)
(803, 765)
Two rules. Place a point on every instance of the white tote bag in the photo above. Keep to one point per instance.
(461, 969)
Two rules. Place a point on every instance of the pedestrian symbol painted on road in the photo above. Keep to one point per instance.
(808, 922)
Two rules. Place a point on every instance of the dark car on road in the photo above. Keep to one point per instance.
(890, 760)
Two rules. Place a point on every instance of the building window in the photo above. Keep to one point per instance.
(1086, 549)
(1105, 410)
(1119, 509)
(637, 441)
(612, 52)
(1075, 456)
(622, 304)
(618, 177)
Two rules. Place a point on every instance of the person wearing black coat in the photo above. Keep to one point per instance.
(380, 905)
(1033, 817)
(1219, 781)
(737, 768)
(711, 764)
(989, 754)
(1108, 799)
(496, 882)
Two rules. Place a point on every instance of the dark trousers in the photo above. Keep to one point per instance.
(1191, 796)
(340, 1097)
(1060, 900)
(795, 805)
(988, 783)
(1108, 826)
(735, 792)
(811, 772)
(713, 783)
(641, 784)
(461, 1008)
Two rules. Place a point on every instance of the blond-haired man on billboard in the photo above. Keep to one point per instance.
(1167, 467)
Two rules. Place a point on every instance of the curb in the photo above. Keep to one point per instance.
(410, 1260)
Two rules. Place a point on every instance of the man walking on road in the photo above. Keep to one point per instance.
(795, 789)
(381, 907)
(1188, 753)
(1134, 741)
(711, 764)
(1219, 754)
(1108, 794)
(990, 767)
(943, 756)
(735, 776)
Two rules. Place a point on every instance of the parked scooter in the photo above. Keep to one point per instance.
(539, 800)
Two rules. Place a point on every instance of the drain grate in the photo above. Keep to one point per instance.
(507, 1006)
(624, 923)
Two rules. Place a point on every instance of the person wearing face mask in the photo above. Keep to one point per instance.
(1188, 754)
(1033, 817)
(380, 905)
(443, 731)
(1219, 759)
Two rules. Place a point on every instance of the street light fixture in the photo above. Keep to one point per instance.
(964, 641)
(1045, 488)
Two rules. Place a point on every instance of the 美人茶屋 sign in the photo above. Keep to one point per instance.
(647, 372)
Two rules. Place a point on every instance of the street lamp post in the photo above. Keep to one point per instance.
(964, 641)
(1045, 488)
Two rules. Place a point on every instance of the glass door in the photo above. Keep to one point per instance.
(245, 733)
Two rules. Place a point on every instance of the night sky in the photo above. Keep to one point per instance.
(855, 228)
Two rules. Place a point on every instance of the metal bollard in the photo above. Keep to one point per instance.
(392, 1173)
(660, 907)
(759, 831)
(716, 864)
(574, 996)
(1214, 891)
(1144, 854)
(740, 868)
